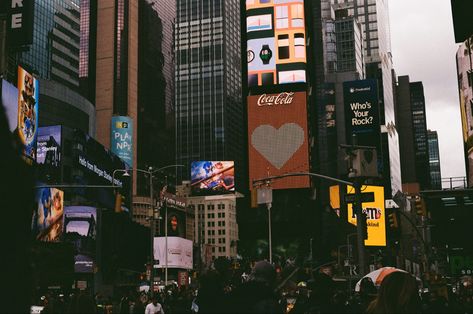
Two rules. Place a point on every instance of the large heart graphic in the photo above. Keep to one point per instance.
(278, 146)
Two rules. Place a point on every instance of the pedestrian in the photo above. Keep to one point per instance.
(257, 295)
(154, 307)
(398, 293)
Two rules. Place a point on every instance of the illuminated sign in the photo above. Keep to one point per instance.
(28, 96)
(122, 138)
(278, 144)
(276, 51)
(375, 215)
(212, 177)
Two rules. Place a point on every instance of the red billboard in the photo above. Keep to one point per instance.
(278, 138)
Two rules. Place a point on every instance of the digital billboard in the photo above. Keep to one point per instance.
(375, 215)
(278, 138)
(122, 138)
(361, 106)
(28, 96)
(47, 218)
(80, 228)
(276, 50)
(179, 252)
(212, 177)
(48, 152)
(10, 103)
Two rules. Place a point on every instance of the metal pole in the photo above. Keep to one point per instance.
(359, 227)
(268, 205)
(152, 232)
(166, 237)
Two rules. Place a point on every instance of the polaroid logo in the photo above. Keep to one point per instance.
(364, 89)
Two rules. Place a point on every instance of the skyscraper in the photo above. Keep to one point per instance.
(374, 17)
(434, 160)
(209, 118)
(411, 119)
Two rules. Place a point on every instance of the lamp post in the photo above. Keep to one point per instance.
(150, 172)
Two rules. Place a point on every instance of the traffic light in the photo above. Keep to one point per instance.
(392, 218)
(420, 206)
(119, 202)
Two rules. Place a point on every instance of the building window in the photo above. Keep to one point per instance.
(297, 15)
(282, 16)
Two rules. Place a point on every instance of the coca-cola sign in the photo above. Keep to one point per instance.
(284, 98)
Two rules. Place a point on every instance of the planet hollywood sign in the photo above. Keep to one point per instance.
(284, 98)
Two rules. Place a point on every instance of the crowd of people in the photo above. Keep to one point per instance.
(264, 288)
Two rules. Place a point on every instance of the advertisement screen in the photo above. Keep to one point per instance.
(47, 221)
(28, 96)
(80, 229)
(48, 153)
(212, 177)
(361, 106)
(179, 252)
(122, 138)
(278, 144)
(10, 103)
(375, 213)
(276, 51)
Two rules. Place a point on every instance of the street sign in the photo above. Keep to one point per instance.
(367, 197)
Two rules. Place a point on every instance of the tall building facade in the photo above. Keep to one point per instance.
(434, 160)
(412, 122)
(88, 46)
(209, 116)
(374, 17)
(465, 92)
(134, 78)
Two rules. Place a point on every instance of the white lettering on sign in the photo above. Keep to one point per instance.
(361, 112)
(16, 20)
(16, 3)
(284, 98)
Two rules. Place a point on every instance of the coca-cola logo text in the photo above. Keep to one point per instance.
(284, 98)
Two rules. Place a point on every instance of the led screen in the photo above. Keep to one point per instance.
(28, 96)
(80, 228)
(48, 215)
(212, 177)
(278, 144)
(122, 138)
(10, 103)
(276, 50)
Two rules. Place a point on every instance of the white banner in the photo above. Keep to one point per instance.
(179, 252)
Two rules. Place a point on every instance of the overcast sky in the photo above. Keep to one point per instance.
(423, 47)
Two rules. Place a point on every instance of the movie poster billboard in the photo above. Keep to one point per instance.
(276, 50)
(375, 215)
(28, 96)
(179, 252)
(212, 177)
(278, 138)
(80, 229)
(47, 221)
(122, 138)
(10, 103)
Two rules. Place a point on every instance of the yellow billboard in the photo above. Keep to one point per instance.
(375, 215)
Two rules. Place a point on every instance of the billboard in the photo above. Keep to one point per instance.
(278, 138)
(20, 22)
(10, 103)
(375, 215)
(48, 152)
(80, 229)
(212, 177)
(28, 96)
(179, 252)
(47, 218)
(361, 106)
(122, 138)
(276, 50)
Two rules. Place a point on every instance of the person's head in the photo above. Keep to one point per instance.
(154, 300)
(398, 293)
(367, 287)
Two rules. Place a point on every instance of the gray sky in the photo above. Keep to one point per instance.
(423, 47)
